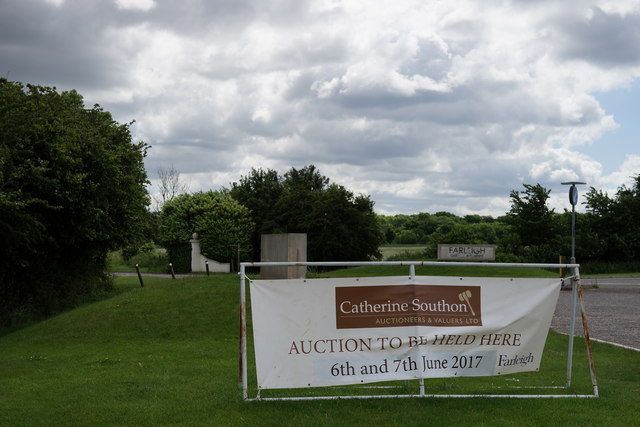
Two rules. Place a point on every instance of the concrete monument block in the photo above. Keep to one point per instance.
(286, 247)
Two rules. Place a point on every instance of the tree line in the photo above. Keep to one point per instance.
(607, 234)
(340, 225)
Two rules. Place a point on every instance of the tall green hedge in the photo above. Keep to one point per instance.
(72, 187)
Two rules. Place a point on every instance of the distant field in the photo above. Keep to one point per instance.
(388, 251)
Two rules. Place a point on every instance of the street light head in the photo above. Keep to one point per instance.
(573, 191)
(573, 195)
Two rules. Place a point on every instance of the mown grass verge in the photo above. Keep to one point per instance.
(167, 354)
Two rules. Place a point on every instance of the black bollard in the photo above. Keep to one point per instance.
(139, 276)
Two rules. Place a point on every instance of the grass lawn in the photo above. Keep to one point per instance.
(167, 354)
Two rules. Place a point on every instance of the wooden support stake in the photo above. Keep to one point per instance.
(139, 276)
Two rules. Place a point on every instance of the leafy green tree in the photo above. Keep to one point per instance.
(530, 214)
(425, 225)
(342, 226)
(452, 231)
(615, 220)
(307, 178)
(72, 187)
(443, 227)
(385, 226)
(260, 191)
(589, 245)
(406, 237)
(406, 229)
(219, 220)
(399, 228)
(297, 207)
(339, 225)
(532, 221)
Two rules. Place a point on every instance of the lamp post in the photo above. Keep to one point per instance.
(573, 199)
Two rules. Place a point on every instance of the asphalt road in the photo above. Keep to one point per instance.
(611, 304)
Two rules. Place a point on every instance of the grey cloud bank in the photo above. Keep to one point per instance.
(424, 105)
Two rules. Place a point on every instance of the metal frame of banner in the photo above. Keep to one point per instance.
(576, 295)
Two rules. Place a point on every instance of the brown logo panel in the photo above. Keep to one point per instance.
(407, 305)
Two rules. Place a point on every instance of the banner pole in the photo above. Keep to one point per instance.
(572, 321)
(243, 332)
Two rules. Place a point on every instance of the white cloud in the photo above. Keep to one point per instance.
(56, 3)
(424, 105)
(629, 169)
(143, 5)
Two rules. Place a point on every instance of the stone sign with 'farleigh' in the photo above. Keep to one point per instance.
(457, 252)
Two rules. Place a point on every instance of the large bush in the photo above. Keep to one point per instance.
(340, 226)
(72, 187)
(220, 221)
(616, 221)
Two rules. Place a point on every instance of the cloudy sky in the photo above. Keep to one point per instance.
(423, 105)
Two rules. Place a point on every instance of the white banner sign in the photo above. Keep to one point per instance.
(322, 332)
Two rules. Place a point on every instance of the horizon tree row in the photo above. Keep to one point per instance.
(609, 232)
(339, 225)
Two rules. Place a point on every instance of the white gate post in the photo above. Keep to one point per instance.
(195, 252)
